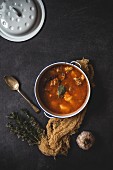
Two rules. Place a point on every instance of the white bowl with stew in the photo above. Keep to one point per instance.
(62, 89)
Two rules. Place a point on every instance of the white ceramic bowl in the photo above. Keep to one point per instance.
(48, 113)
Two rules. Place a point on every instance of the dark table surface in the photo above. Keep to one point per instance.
(72, 30)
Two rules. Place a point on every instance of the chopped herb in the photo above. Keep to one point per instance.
(61, 90)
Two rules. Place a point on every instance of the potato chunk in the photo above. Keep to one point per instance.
(64, 108)
(82, 77)
(72, 102)
(67, 97)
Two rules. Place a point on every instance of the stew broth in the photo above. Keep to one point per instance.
(63, 89)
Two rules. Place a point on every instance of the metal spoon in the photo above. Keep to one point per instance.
(14, 85)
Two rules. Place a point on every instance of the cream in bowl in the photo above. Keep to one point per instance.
(62, 90)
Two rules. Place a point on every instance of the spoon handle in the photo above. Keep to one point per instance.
(31, 104)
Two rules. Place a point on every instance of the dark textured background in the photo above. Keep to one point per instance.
(73, 29)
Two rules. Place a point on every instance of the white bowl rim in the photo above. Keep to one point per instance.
(70, 114)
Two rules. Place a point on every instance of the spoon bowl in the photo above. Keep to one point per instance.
(14, 85)
(12, 82)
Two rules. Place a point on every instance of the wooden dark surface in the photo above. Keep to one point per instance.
(73, 29)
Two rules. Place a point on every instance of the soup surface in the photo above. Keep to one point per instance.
(63, 89)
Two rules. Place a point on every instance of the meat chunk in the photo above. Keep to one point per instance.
(54, 82)
(67, 69)
(78, 81)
